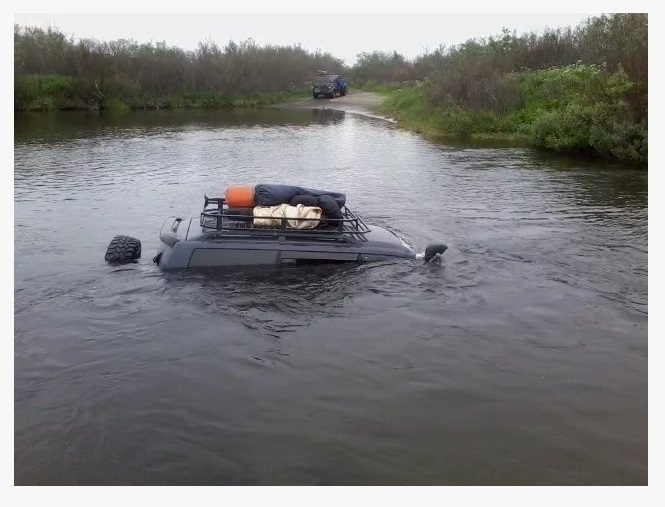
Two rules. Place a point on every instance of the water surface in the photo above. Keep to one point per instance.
(521, 359)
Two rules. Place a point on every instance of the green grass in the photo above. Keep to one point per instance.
(44, 93)
(116, 106)
(266, 99)
(410, 107)
(53, 92)
(579, 108)
(380, 88)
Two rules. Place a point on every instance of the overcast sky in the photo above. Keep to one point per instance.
(344, 35)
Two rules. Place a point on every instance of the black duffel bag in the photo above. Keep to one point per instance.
(272, 194)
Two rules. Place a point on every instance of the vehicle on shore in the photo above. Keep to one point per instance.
(328, 84)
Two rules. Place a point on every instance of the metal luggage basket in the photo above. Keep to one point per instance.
(217, 217)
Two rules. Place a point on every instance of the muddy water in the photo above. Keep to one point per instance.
(521, 359)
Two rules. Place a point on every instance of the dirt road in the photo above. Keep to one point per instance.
(365, 103)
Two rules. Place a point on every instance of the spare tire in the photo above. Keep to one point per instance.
(432, 250)
(123, 250)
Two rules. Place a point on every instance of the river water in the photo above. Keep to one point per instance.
(521, 358)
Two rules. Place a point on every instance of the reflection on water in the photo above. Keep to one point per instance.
(62, 125)
(521, 358)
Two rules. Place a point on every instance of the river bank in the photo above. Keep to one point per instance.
(61, 93)
(366, 103)
(591, 128)
(579, 109)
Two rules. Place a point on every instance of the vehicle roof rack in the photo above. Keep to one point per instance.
(218, 218)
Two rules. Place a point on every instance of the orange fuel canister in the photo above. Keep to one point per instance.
(239, 196)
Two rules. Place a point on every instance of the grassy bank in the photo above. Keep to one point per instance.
(576, 108)
(582, 89)
(57, 92)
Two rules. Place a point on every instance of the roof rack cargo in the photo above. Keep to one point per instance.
(218, 218)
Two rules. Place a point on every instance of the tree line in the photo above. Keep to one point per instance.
(474, 73)
(54, 71)
(566, 89)
(583, 87)
(477, 73)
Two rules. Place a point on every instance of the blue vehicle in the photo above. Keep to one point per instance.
(330, 85)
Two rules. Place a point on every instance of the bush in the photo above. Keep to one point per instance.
(43, 92)
(582, 107)
(116, 106)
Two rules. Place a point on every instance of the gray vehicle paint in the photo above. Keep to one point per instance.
(185, 244)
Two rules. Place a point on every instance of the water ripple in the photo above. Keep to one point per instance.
(537, 313)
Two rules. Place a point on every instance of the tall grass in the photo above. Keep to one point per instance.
(572, 108)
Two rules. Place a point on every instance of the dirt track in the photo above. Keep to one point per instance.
(364, 103)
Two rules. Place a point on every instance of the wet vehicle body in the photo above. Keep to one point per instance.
(270, 224)
(220, 238)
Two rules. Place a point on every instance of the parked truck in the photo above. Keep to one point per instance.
(328, 84)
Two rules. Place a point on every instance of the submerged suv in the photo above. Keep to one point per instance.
(227, 235)
(330, 85)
